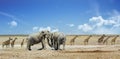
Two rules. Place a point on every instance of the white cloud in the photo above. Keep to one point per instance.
(100, 25)
(70, 25)
(98, 20)
(45, 28)
(85, 27)
(55, 30)
(13, 23)
(35, 28)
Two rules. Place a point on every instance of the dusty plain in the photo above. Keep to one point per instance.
(76, 51)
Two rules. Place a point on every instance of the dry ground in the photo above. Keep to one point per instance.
(77, 51)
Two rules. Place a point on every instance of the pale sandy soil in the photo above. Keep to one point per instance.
(71, 52)
(77, 51)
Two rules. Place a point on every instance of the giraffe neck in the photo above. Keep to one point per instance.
(14, 40)
(75, 37)
(102, 37)
(9, 40)
(107, 38)
(23, 40)
(89, 37)
(115, 38)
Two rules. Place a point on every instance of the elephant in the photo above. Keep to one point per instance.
(36, 38)
(56, 39)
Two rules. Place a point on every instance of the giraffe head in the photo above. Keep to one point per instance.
(109, 36)
(10, 38)
(117, 35)
(103, 35)
(90, 36)
(77, 35)
(15, 38)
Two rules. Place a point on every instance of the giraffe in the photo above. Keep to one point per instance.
(114, 39)
(22, 43)
(12, 43)
(7, 42)
(106, 40)
(73, 40)
(100, 40)
(87, 40)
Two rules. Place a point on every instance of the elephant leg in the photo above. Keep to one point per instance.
(63, 45)
(43, 46)
(52, 42)
(56, 45)
(28, 46)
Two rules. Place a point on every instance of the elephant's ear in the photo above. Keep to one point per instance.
(52, 35)
(42, 31)
(48, 31)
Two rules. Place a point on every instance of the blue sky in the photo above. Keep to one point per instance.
(68, 16)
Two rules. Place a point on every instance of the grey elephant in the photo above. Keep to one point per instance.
(37, 38)
(56, 39)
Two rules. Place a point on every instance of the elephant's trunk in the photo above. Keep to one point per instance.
(49, 43)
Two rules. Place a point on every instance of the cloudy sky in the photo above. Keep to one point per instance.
(68, 16)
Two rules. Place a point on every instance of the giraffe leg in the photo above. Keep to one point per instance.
(85, 43)
(2, 45)
(107, 43)
(111, 43)
(114, 43)
(72, 43)
(21, 45)
(6, 46)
